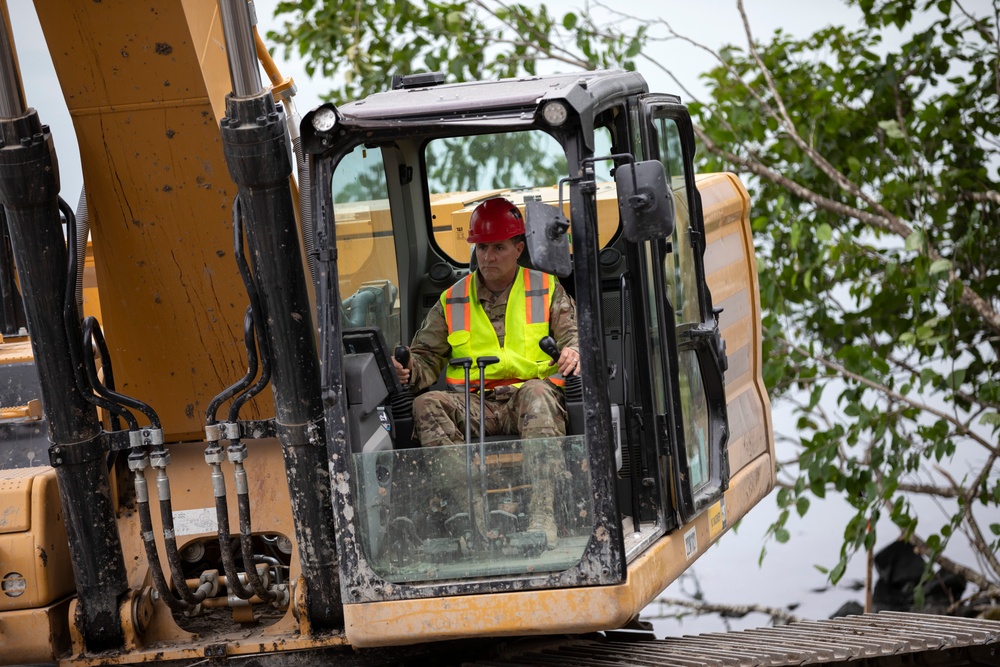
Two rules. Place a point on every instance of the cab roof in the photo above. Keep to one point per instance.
(488, 96)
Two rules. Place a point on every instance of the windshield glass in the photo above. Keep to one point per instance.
(521, 166)
(531, 503)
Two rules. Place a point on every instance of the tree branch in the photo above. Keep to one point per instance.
(844, 183)
(840, 370)
(969, 574)
(735, 610)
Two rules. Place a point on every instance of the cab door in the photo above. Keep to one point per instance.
(692, 358)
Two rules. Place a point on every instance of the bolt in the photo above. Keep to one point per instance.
(262, 120)
(355, 593)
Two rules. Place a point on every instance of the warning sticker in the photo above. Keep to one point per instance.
(716, 519)
(196, 521)
(690, 543)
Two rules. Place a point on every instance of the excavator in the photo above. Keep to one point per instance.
(206, 455)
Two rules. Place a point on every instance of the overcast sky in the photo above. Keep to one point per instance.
(711, 22)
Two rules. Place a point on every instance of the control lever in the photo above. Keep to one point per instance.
(482, 363)
(402, 355)
(550, 347)
(402, 403)
(466, 364)
(573, 384)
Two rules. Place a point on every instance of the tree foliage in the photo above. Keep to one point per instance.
(873, 168)
(876, 205)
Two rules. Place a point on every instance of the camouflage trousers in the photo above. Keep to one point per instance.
(536, 409)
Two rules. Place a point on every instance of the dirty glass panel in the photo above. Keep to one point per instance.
(679, 265)
(365, 244)
(694, 405)
(472, 511)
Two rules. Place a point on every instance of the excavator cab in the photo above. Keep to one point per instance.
(603, 172)
(208, 500)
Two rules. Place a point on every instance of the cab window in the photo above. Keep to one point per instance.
(369, 283)
(521, 166)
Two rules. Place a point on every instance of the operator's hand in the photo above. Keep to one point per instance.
(402, 372)
(569, 362)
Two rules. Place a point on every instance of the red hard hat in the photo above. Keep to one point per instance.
(495, 219)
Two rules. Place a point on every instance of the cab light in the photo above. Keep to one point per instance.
(555, 113)
(324, 119)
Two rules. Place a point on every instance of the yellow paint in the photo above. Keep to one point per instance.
(145, 85)
(29, 636)
(33, 537)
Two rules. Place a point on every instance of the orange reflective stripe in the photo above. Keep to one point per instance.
(456, 312)
(536, 296)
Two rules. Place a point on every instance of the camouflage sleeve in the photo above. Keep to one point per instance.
(562, 319)
(429, 350)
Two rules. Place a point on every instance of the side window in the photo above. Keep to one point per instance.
(694, 409)
(679, 265)
(367, 255)
(681, 275)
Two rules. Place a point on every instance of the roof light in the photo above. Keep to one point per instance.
(555, 113)
(324, 119)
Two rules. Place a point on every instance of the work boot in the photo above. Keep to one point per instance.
(540, 513)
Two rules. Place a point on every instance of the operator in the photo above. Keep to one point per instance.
(501, 310)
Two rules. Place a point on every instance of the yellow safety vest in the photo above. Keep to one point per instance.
(471, 334)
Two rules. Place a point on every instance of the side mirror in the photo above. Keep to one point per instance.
(545, 229)
(645, 201)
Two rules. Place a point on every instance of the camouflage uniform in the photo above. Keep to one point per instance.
(536, 409)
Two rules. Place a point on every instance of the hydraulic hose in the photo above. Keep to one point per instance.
(119, 402)
(246, 532)
(253, 323)
(211, 414)
(169, 538)
(214, 457)
(149, 542)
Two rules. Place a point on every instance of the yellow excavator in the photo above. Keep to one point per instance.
(205, 453)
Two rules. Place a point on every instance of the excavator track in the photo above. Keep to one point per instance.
(885, 639)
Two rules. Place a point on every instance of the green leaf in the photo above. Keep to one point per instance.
(990, 419)
(940, 266)
(838, 571)
(891, 128)
(824, 232)
(781, 535)
(570, 20)
(914, 241)
(802, 506)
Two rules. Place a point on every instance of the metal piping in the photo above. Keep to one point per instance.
(240, 48)
(12, 104)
